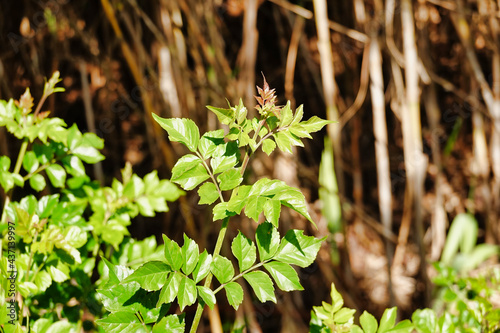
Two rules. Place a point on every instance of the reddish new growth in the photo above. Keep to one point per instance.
(266, 100)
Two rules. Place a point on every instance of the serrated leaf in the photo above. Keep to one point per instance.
(299, 113)
(170, 324)
(189, 172)
(272, 211)
(388, 320)
(368, 322)
(244, 251)
(284, 275)
(315, 124)
(74, 166)
(225, 157)
(221, 211)
(406, 326)
(344, 315)
(30, 162)
(170, 289)
(284, 142)
(187, 292)
(209, 142)
(190, 253)
(229, 179)
(37, 182)
(286, 115)
(114, 298)
(57, 175)
(207, 295)
(425, 320)
(61, 327)
(337, 300)
(255, 206)
(262, 285)
(225, 116)
(268, 146)
(173, 253)
(203, 266)
(268, 240)
(121, 322)
(151, 276)
(294, 199)
(240, 112)
(222, 268)
(298, 249)
(234, 294)
(208, 193)
(181, 130)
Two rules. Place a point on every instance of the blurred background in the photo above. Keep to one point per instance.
(413, 85)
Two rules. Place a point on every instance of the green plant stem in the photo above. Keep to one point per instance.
(208, 279)
(211, 176)
(248, 153)
(236, 277)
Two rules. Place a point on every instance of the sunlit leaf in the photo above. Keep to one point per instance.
(262, 285)
(181, 130)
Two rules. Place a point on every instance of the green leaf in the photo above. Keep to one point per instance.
(222, 268)
(57, 175)
(170, 324)
(170, 289)
(462, 235)
(244, 250)
(30, 162)
(254, 207)
(337, 300)
(121, 322)
(234, 294)
(226, 116)
(209, 142)
(203, 266)
(207, 295)
(284, 275)
(286, 115)
(37, 182)
(240, 112)
(43, 280)
(116, 297)
(406, 326)
(268, 240)
(221, 211)
(297, 249)
(388, 320)
(88, 154)
(74, 166)
(284, 142)
(181, 130)
(190, 254)
(151, 276)
(268, 146)
(144, 205)
(424, 320)
(61, 327)
(262, 285)
(189, 172)
(344, 316)
(315, 124)
(187, 292)
(75, 236)
(299, 113)
(229, 179)
(272, 211)
(294, 199)
(224, 157)
(173, 254)
(368, 322)
(208, 193)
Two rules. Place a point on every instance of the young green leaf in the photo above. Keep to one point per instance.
(209, 142)
(121, 322)
(57, 175)
(314, 124)
(268, 240)
(207, 295)
(286, 115)
(187, 292)
(244, 250)
(284, 142)
(170, 324)
(226, 116)
(173, 253)
(181, 130)
(268, 146)
(344, 316)
(299, 113)
(189, 172)
(203, 266)
(225, 157)
(170, 289)
(30, 162)
(37, 182)
(297, 249)
(406, 326)
(190, 254)
(151, 276)
(284, 275)
(234, 294)
(262, 285)
(294, 199)
(424, 320)
(368, 322)
(88, 154)
(272, 211)
(222, 268)
(208, 193)
(388, 320)
(254, 207)
(229, 179)
(221, 211)
(115, 298)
